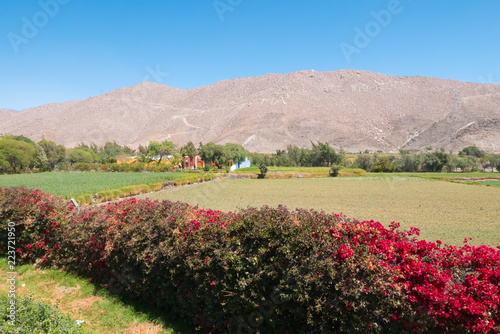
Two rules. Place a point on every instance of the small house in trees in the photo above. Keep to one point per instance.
(194, 163)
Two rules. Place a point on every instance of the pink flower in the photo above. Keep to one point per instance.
(213, 282)
(345, 252)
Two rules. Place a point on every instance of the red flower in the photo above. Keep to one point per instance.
(345, 252)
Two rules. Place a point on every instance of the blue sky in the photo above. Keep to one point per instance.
(61, 50)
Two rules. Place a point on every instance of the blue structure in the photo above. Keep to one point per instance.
(244, 164)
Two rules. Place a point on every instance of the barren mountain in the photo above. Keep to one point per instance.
(4, 113)
(355, 110)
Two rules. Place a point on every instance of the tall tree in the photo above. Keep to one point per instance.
(293, 155)
(41, 160)
(108, 153)
(236, 152)
(324, 154)
(160, 151)
(189, 150)
(54, 153)
(218, 154)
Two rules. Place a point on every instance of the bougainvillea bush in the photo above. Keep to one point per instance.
(267, 270)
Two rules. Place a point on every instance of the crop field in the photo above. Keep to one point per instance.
(73, 184)
(284, 169)
(442, 211)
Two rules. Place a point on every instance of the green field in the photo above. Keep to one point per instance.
(73, 184)
(284, 169)
(490, 183)
(440, 175)
(446, 211)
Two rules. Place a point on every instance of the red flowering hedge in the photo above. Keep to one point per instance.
(263, 270)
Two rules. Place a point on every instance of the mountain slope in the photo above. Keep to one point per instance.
(355, 110)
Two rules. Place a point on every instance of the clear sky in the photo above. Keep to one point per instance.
(61, 50)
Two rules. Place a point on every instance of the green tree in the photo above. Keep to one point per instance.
(109, 152)
(18, 154)
(408, 162)
(236, 152)
(142, 150)
(79, 155)
(364, 161)
(263, 171)
(176, 159)
(468, 163)
(23, 139)
(282, 158)
(41, 160)
(485, 162)
(54, 153)
(324, 155)
(435, 161)
(452, 162)
(472, 151)
(127, 150)
(218, 154)
(3, 162)
(160, 151)
(495, 162)
(189, 150)
(293, 155)
(384, 164)
(92, 150)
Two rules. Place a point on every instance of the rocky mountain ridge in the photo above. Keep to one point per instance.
(352, 109)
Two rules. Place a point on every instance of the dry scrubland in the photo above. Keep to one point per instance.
(446, 211)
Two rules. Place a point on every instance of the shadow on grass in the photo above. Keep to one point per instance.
(155, 315)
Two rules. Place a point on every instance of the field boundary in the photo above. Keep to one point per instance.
(107, 196)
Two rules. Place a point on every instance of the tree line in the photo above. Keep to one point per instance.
(19, 153)
(469, 159)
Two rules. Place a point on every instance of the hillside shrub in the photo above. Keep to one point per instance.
(334, 171)
(263, 171)
(269, 270)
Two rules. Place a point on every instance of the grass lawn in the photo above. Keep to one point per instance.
(73, 184)
(103, 312)
(446, 211)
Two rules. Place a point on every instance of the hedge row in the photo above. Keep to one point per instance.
(267, 270)
(114, 194)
